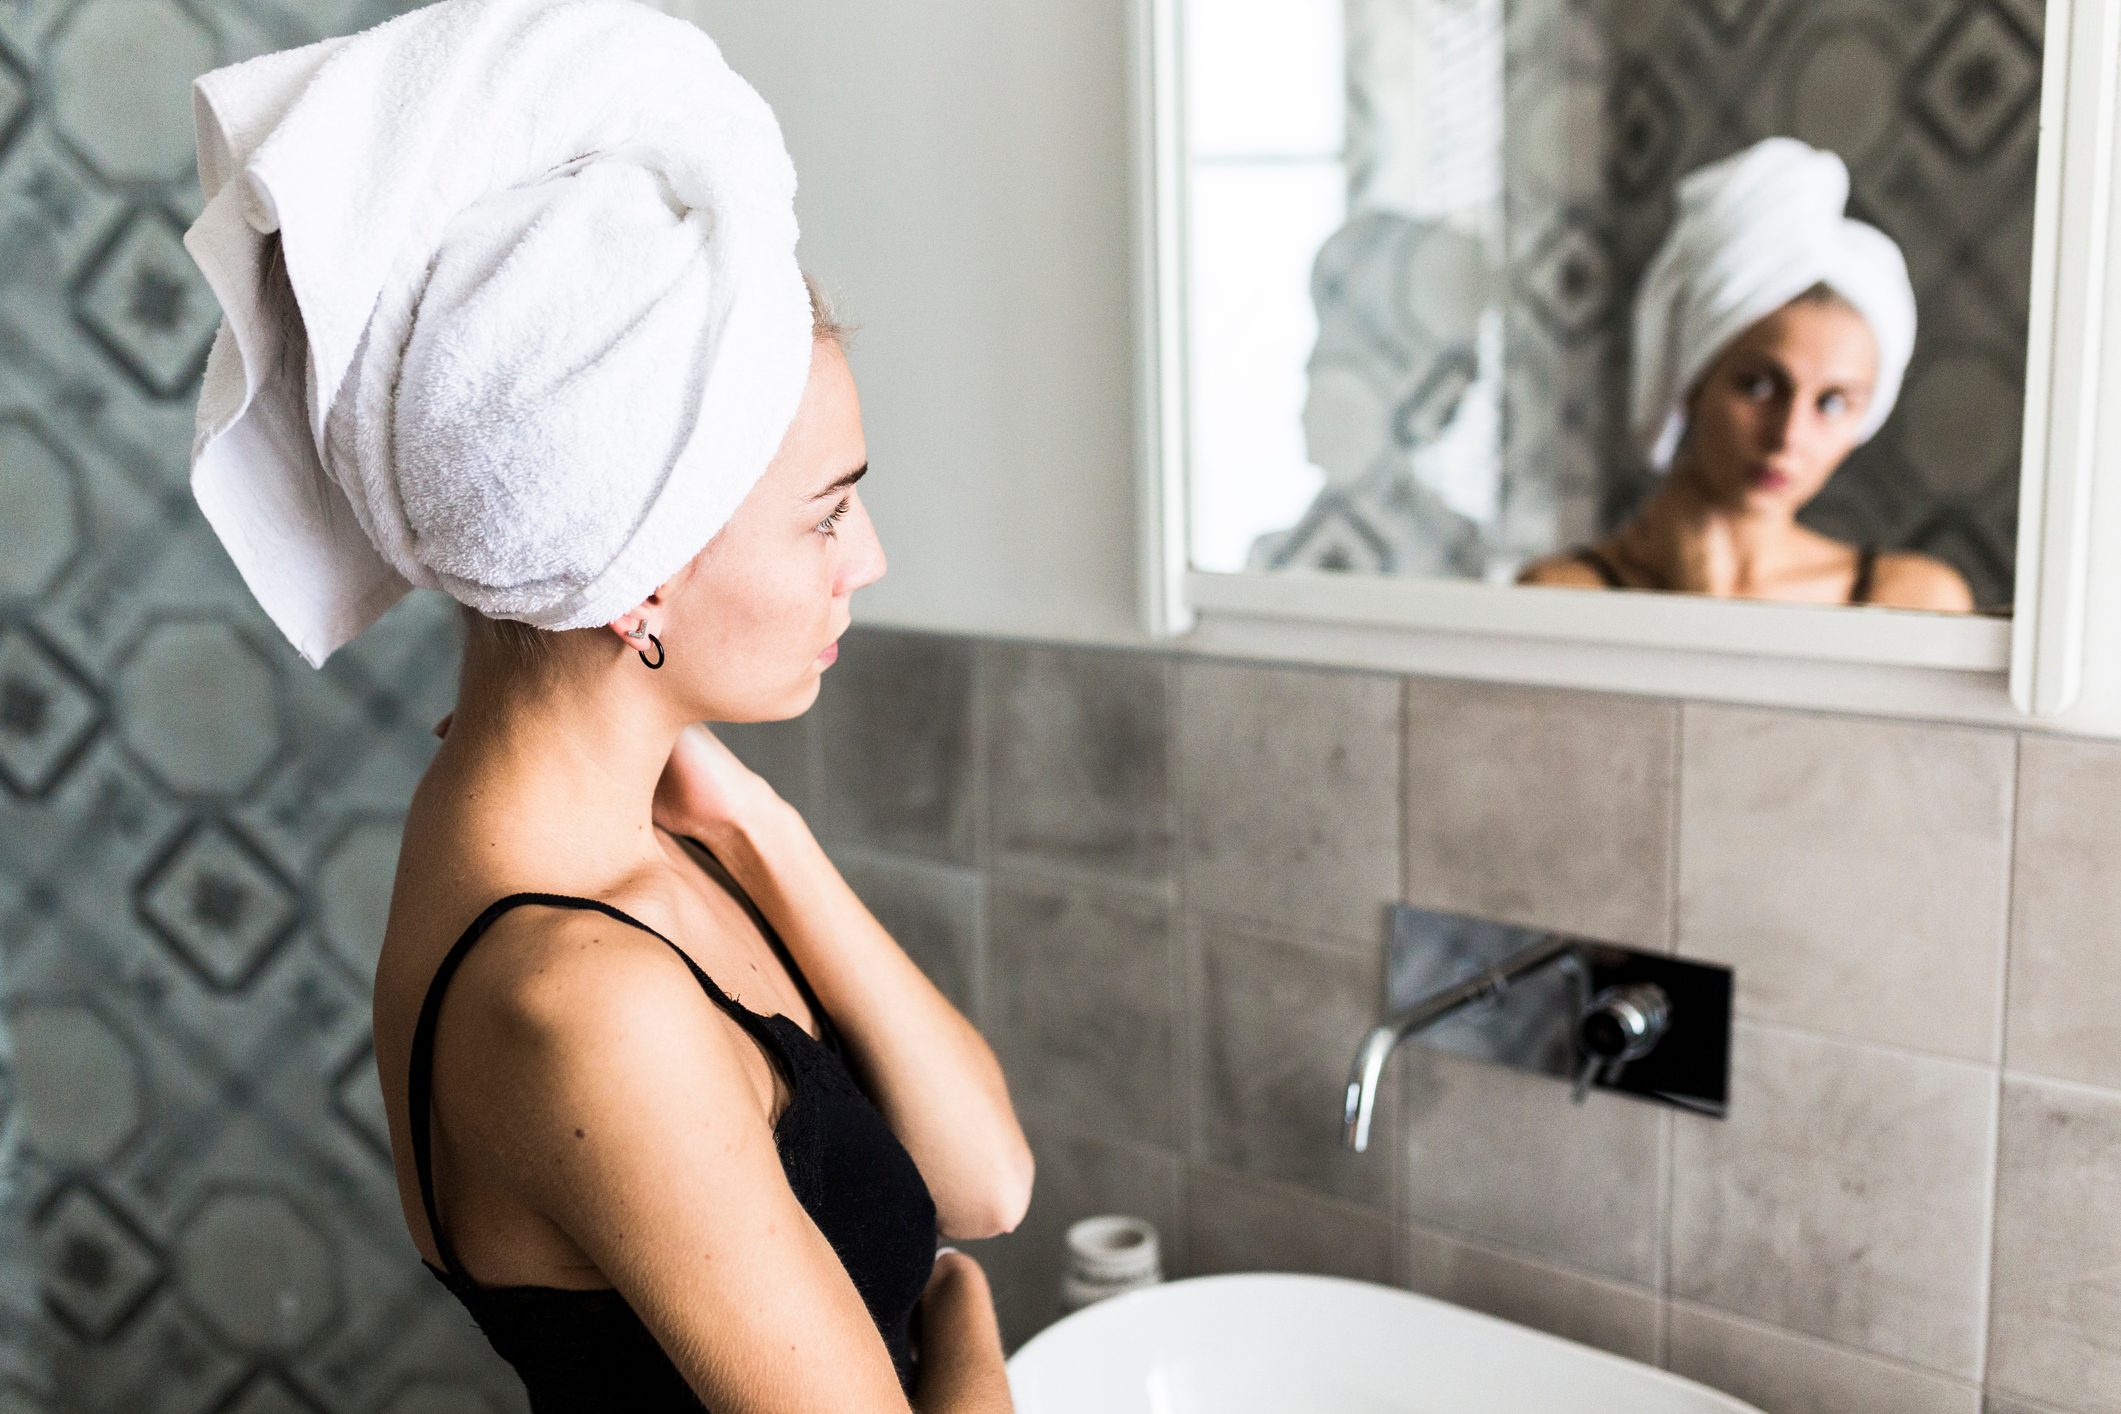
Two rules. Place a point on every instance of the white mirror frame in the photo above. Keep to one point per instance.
(2056, 663)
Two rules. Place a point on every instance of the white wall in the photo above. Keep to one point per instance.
(964, 195)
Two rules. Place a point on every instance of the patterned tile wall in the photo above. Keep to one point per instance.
(196, 832)
(1608, 102)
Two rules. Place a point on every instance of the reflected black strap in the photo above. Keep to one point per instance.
(1866, 571)
(1603, 567)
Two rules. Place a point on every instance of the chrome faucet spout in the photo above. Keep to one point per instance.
(1378, 1043)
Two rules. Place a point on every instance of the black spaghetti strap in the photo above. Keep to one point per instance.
(419, 1079)
(828, 1030)
(1866, 572)
(1602, 566)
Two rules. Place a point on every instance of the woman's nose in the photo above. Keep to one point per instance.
(1777, 424)
(866, 567)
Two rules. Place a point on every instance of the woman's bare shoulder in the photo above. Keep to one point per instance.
(1909, 579)
(1566, 571)
(565, 1021)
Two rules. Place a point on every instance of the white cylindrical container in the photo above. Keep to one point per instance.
(1107, 1255)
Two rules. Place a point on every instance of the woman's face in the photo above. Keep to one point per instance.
(1782, 407)
(753, 622)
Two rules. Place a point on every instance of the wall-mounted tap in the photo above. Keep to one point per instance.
(1382, 1039)
(1582, 1010)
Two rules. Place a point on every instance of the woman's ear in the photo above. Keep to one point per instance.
(637, 623)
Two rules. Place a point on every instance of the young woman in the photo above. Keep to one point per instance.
(644, 1167)
(1771, 335)
(672, 1115)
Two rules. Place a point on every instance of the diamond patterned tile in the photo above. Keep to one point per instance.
(200, 1056)
(269, 1392)
(99, 1266)
(219, 906)
(1976, 82)
(1568, 279)
(48, 713)
(1646, 126)
(163, 1360)
(147, 306)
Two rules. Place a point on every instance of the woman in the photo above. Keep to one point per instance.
(1771, 336)
(672, 1115)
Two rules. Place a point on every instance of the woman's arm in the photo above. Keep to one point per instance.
(962, 1368)
(620, 1109)
(933, 1076)
(1910, 580)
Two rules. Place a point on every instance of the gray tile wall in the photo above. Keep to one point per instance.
(1168, 877)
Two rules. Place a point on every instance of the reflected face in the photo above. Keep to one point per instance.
(761, 609)
(1782, 407)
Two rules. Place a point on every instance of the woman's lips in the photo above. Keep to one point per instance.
(1767, 478)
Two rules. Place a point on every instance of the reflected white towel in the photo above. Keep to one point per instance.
(1753, 232)
(512, 310)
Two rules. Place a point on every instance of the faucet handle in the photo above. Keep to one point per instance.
(1620, 1024)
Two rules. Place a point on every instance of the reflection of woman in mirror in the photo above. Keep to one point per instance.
(1771, 335)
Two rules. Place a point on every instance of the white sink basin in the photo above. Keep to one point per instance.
(1269, 1343)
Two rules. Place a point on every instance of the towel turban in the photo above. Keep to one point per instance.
(1753, 232)
(512, 310)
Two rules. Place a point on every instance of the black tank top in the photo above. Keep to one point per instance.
(585, 1351)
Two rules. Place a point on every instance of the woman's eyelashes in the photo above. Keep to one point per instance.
(1758, 386)
(830, 524)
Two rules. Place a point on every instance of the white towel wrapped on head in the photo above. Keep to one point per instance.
(1753, 232)
(532, 325)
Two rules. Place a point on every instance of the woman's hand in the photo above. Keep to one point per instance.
(962, 1368)
(704, 787)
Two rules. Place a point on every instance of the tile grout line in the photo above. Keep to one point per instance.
(1754, 1323)
(1185, 1024)
(1402, 1177)
(982, 851)
(1669, 1169)
(1993, 1188)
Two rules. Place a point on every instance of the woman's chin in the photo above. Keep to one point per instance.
(1772, 498)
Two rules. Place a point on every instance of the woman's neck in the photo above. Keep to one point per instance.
(568, 759)
(1715, 548)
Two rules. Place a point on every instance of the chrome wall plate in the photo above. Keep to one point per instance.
(1531, 1023)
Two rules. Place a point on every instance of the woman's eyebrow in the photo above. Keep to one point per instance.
(848, 480)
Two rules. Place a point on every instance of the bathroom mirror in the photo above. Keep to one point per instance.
(1458, 304)
(1423, 283)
